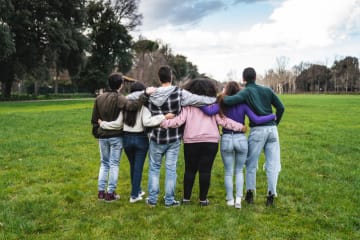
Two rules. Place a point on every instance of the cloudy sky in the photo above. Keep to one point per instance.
(225, 36)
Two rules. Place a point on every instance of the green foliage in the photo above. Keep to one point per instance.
(110, 45)
(142, 46)
(183, 69)
(44, 34)
(49, 164)
(36, 36)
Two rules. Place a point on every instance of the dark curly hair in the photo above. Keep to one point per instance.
(201, 86)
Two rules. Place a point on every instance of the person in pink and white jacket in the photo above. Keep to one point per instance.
(201, 138)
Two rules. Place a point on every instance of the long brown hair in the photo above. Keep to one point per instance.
(231, 88)
(130, 116)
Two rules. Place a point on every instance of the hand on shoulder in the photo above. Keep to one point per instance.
(150, 90)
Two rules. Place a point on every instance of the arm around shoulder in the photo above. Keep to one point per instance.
(151, 121)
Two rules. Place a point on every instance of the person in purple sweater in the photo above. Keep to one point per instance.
(234, 146)
(201, 138)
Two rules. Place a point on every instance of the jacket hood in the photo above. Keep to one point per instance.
(161, 94)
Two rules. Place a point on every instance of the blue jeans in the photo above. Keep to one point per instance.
(267, 138)
(234, 148)
(110, 153)
(156, 153)
(136, 147)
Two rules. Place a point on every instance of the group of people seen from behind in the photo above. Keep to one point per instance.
(154, 122)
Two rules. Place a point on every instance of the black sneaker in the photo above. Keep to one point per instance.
(185, 202)
(270, 199)
(150, 204)
(101, 195)
(204, 203)
(249, 198)
(173, 204)
(110, 197)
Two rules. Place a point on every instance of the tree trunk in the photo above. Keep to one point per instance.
(6, 89)
(56, 83)
(36, 88)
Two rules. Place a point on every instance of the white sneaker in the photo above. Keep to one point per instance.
(230, 202)
(133, 200)
(238, 202)
(141, 194)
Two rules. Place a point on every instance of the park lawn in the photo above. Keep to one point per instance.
(49, 163)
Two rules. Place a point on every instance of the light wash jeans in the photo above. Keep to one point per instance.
(110, 154)
(267, 138)
(156, 153)
(234, 148)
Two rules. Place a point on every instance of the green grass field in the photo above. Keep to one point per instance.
(49, 163)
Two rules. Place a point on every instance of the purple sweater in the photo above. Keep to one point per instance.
(237, 113)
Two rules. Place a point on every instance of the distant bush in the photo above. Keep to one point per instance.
(25, 97)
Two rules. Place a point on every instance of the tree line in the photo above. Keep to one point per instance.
(76, 44)
(342, 77)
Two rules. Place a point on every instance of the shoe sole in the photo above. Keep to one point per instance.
(174, 205)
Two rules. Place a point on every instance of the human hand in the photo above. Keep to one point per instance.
(99, 121)
(244, 129)
(220, 97)
(150, 90)
(169, 116)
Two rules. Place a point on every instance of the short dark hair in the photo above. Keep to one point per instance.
(201, 86)
(115, 81)
(249, 74)
(164, 74)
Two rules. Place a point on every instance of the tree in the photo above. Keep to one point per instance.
(110, 41)
(183, 69)
(313, 79)
(143, 48)
(345, 74)
(36, 31)
(127, 13)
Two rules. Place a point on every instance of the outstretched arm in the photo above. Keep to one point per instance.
(151, 121)
(113, 125)
(230, 124)
(189, 99)
(255, 118)
(211, 109)
(240, 97)
(176, 121)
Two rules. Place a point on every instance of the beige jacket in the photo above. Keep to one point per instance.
(144, 119)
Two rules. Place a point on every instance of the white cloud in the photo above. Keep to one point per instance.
(303, 30)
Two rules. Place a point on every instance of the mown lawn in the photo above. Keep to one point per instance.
(49, 164)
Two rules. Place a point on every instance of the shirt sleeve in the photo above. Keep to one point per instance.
(239, 97)
(255, 118)
(280, 109)
(113, 125)
(177, 121)
(211, 109)
(189, 99)
(228, 123)
(131, 105)
(151, 121)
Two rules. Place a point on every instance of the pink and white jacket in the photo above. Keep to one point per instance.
(200, 127)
